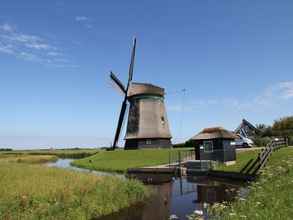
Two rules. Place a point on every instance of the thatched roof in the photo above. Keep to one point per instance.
(144, 89)
(213, 133)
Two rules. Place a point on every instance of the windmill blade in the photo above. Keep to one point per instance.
(117, 82)
(131, 66)
(120, 122)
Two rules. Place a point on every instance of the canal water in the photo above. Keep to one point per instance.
(176, 199)
(66, 164)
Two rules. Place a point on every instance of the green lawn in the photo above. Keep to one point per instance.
(242, 159)
(31, 192)
(121, 160)
(270, 197)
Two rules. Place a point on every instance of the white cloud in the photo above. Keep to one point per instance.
(286, 89)
(85, 21)
(6, 27)
(280, 91)
(54, 54)
(30, 47)
(180, 108)
(270, 96)
(6, 49)
(81, 18)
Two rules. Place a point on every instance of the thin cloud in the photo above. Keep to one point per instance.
(29, 47)
(180, 108)
(81, 18)
(270, 96)
(280, 91)
(6, 28)
(85, 21)
(286, 89)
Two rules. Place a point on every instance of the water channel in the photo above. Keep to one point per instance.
(177, 198)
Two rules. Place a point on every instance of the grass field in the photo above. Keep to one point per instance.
(61, 153)
(31, 192)
(270, 197)
(120, 160)
(242, 158)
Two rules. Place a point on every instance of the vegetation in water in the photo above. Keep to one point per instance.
(270, 197)
(121, 160)
(36, 192)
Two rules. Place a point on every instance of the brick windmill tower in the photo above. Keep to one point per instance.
(147, 125)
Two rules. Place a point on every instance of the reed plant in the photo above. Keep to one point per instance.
(31, 192)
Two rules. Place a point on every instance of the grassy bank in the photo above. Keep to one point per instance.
(121, 160)
(270, 197)
(62, 153)
(38, 192)
(242, 159)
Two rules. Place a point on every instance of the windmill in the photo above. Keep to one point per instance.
(147, 125)
(246, 132)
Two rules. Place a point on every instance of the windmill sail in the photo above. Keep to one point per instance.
(120, 122)
(125, 91)
(131, 66)
(117, 83)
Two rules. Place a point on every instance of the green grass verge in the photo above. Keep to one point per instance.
(242, 158)
(121, 160)
(270, 197)
(31, 192)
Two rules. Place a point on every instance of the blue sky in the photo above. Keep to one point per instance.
(234, 58)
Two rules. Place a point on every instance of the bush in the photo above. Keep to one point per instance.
(5, 149)
(283, 127)
(261, 141)
(179, 145)
(183, 145)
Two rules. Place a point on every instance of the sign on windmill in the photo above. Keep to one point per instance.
(147, 125)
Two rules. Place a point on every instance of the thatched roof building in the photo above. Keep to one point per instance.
(215, 144)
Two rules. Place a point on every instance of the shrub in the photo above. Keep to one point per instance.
(183, 145)
(5, 149)
(261, 141)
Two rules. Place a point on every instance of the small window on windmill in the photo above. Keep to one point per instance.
(163, 120)
(148, 142)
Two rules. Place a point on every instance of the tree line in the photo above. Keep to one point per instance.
(282, 127)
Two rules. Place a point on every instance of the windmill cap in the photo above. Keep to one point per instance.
(144, 89)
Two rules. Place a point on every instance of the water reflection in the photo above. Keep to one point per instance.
(180, 198)
(171, 196)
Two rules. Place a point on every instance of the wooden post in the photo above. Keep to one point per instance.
(179, 158)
